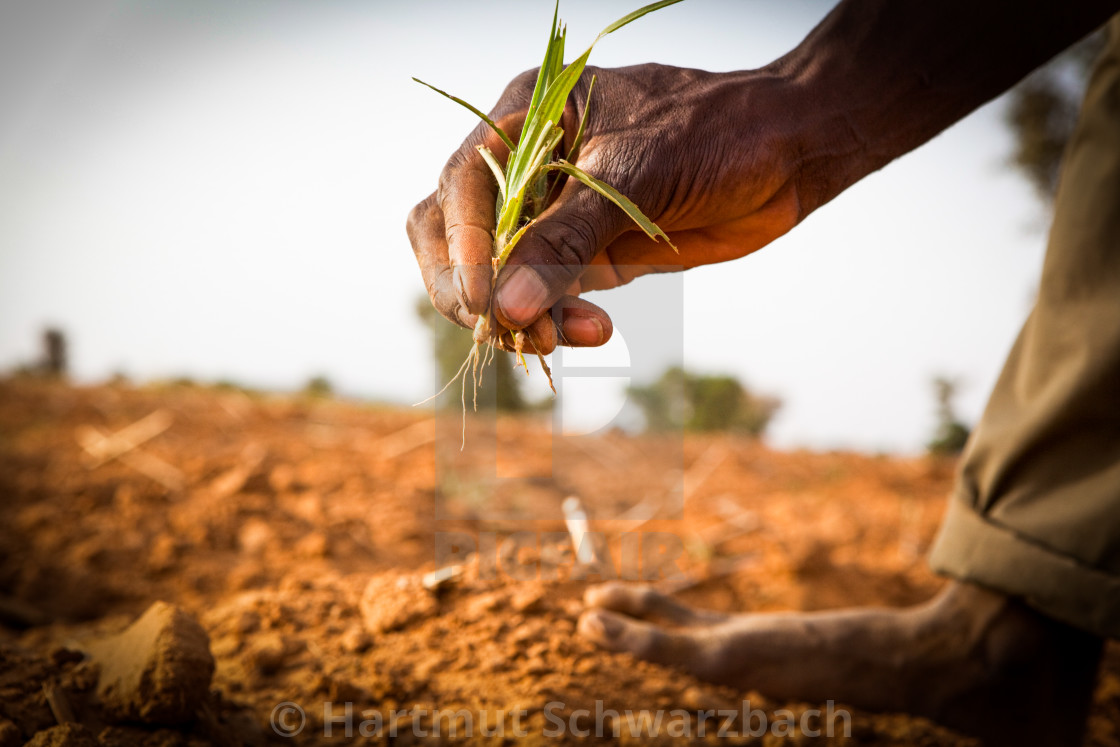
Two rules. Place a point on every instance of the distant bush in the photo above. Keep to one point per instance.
(228, 385)
(53, 360)
(696, 402)
(951, 434)
(1042, 112)
(318, 386)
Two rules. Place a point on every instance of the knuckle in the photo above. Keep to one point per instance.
(447, 305)
(450, 173)
(419, 215)
(465, 174)
(644, 169)
(522, 85)
(437, 282)
(646, 599)
(571, 245)
(585, 227)
(463, 233)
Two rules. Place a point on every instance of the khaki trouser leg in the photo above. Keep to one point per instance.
(1036, 511)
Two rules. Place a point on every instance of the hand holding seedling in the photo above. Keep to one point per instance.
(724, 163)
(526, 173)
(670, 139)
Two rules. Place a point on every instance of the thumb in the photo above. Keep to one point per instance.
(553, 253)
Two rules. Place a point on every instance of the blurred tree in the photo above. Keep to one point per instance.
(318, 386)
(951, 434)
(451, 344)
(1043, 112)
(703, 403)
(54, 352)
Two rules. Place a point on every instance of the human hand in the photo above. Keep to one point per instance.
(713, 158)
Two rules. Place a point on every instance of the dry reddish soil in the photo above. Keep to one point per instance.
(296, 533)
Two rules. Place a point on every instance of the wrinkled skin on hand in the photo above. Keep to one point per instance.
(712, 158)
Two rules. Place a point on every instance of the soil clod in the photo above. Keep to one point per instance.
(156, 671)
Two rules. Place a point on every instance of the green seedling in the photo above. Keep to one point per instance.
(523, 181)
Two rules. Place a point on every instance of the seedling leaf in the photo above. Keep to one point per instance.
(612, 194)
(479, 114)
(523, 182)
(574, 151)
(495, 167)
(504, 254)
(545, 71)
(635, 16)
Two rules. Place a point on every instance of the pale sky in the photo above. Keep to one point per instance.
(198, 188)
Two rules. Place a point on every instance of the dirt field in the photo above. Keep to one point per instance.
(297, 531)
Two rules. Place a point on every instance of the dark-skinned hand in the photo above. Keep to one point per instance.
(711, 158)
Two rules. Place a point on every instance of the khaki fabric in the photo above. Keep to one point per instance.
(1036, 510)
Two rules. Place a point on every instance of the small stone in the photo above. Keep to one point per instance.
(355, 641)
(537, 667)
(344, 691)
(523, 633)
(481, 605)
(163, 553)
(387, 606)
(269, 653)
(282, 477)
(157, 671)
(528, 601)
(701, 699)
(255, 536)
(498, 664)
(586, 666)
(247, 621)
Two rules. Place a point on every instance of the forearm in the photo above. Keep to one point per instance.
(877, 78)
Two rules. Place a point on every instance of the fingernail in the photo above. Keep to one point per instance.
(583, 330)
(522, 296)
(603, 626)
(473, 289)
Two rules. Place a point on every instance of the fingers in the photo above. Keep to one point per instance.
(581, 323)
(617, 633)
(463, 212)
(553, 254)
(467, 195)
(452, 230)
(644, 602)
(425, 232)
(573, 322)
(466, 198)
